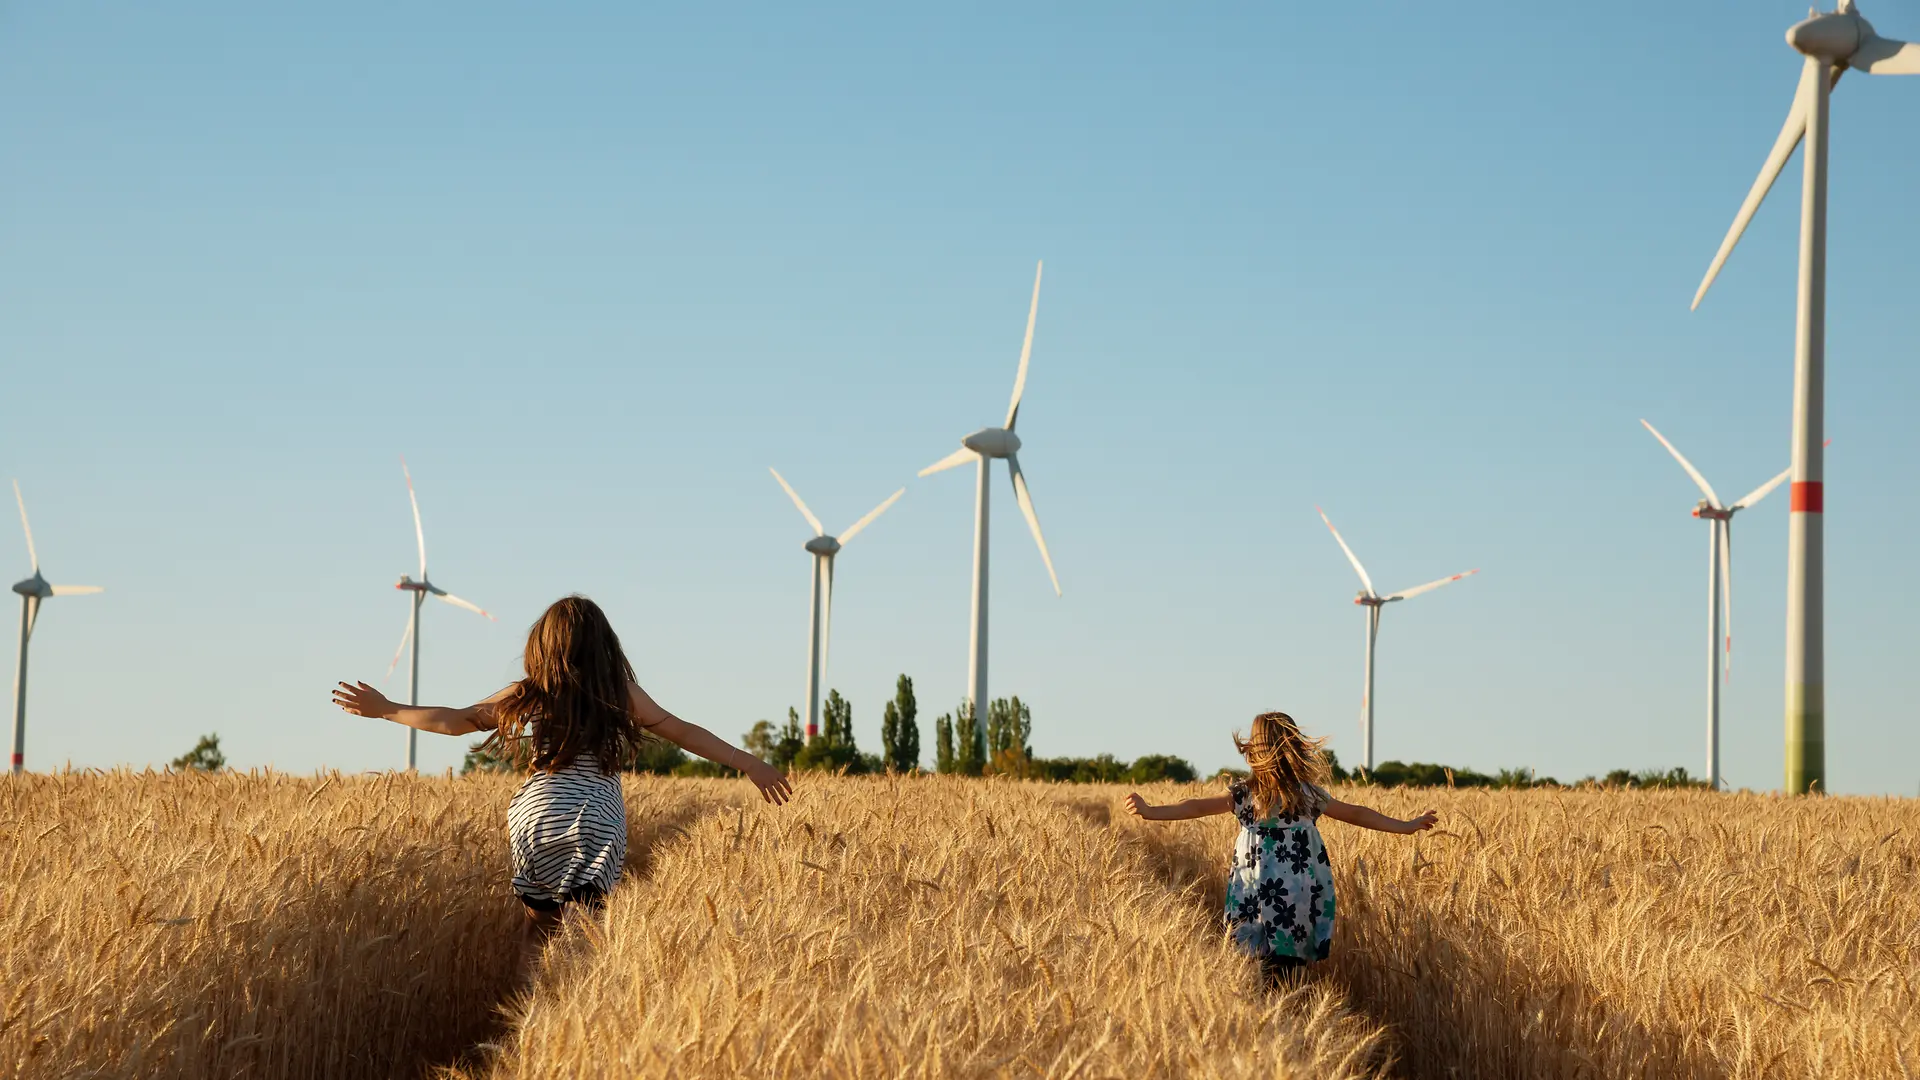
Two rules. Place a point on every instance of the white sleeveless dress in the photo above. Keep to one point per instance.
(568, 832)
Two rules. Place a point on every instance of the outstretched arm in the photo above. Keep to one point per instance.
(1368, 818)
(363, 700)
(1180, 811)
(773, 785)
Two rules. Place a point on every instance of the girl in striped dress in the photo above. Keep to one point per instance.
(573, 721)
(1280, 884)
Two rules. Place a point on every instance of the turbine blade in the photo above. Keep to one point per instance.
(1762, 491)
(1351, 557)
(1408, 594)
(1790, 135)
(33, 612)
(958, 457)
(419, 534)
(77, 590)
(32, 556)
(854, 529)
(1726, 592)
(795, 496)
(404, 638)
(1026, 350)
(1885, 56)
(826, 616)
(1766, 489)
(1712, 499)
(1025, 499)
(458, 602)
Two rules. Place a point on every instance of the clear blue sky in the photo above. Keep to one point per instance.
(594, 269)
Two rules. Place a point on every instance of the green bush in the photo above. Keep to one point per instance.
(657, 756)
(204, 757)
(1154, 768)
(1104, 769)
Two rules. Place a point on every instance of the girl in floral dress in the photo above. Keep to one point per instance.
(1280, 885)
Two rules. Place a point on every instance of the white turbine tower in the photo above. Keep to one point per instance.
(1832, 43)
(983, 446)
(32, 591)
(1719, 587)
(420, 589)
(1373, 602)
(820, 627)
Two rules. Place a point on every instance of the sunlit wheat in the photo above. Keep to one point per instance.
(335, 926)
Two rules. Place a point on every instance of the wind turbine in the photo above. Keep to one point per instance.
(421, 590)
(1373, 602)
(985, 445)
(1832, 43)
(820, 628)
(1719, 578)
(32, 591)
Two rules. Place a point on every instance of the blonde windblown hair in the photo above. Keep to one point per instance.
(1289, 770)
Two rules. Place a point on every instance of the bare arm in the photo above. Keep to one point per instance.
(363, 700)
(693, 738)
(1368, 818)
(1180, 811)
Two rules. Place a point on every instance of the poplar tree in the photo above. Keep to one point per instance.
(899, 734)
(943, 760)
(834, 749)
(1009, 736)
(970, 741)
(792, 739)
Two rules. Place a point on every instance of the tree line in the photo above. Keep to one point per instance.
(1003, 746)
(1426, 774)
(1005, 750)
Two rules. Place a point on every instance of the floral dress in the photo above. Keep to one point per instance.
(1280, 886)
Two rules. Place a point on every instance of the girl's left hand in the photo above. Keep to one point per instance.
(1423, 822)
(773, 784)
(363, 700)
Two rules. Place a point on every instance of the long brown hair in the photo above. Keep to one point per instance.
(1289, 770)
(574, 699)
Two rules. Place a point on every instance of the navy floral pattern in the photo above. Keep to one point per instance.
(1280, 886)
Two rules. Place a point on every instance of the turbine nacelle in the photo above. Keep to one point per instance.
(34, 586)
(824, 545)
(1834, 36)
(1706, 511)
(407, 584)
(1370, 600)
(992, 442)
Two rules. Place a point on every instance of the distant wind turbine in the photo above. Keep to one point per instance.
(820, 628)
(420, 589)
(1373, 602)
(1719, 587)
(1833, 43)
(32, 591)
(983, 446)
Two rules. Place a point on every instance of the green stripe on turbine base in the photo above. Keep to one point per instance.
(1806, 739)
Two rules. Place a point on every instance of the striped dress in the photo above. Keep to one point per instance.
(568, 831)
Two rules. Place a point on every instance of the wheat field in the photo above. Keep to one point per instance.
(274, 926)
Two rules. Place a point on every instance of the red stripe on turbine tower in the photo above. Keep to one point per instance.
(1808, 497)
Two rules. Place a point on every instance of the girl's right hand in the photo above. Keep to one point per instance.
(1139, 807)
(1423, 822)
(363, 700)
(773, 784)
